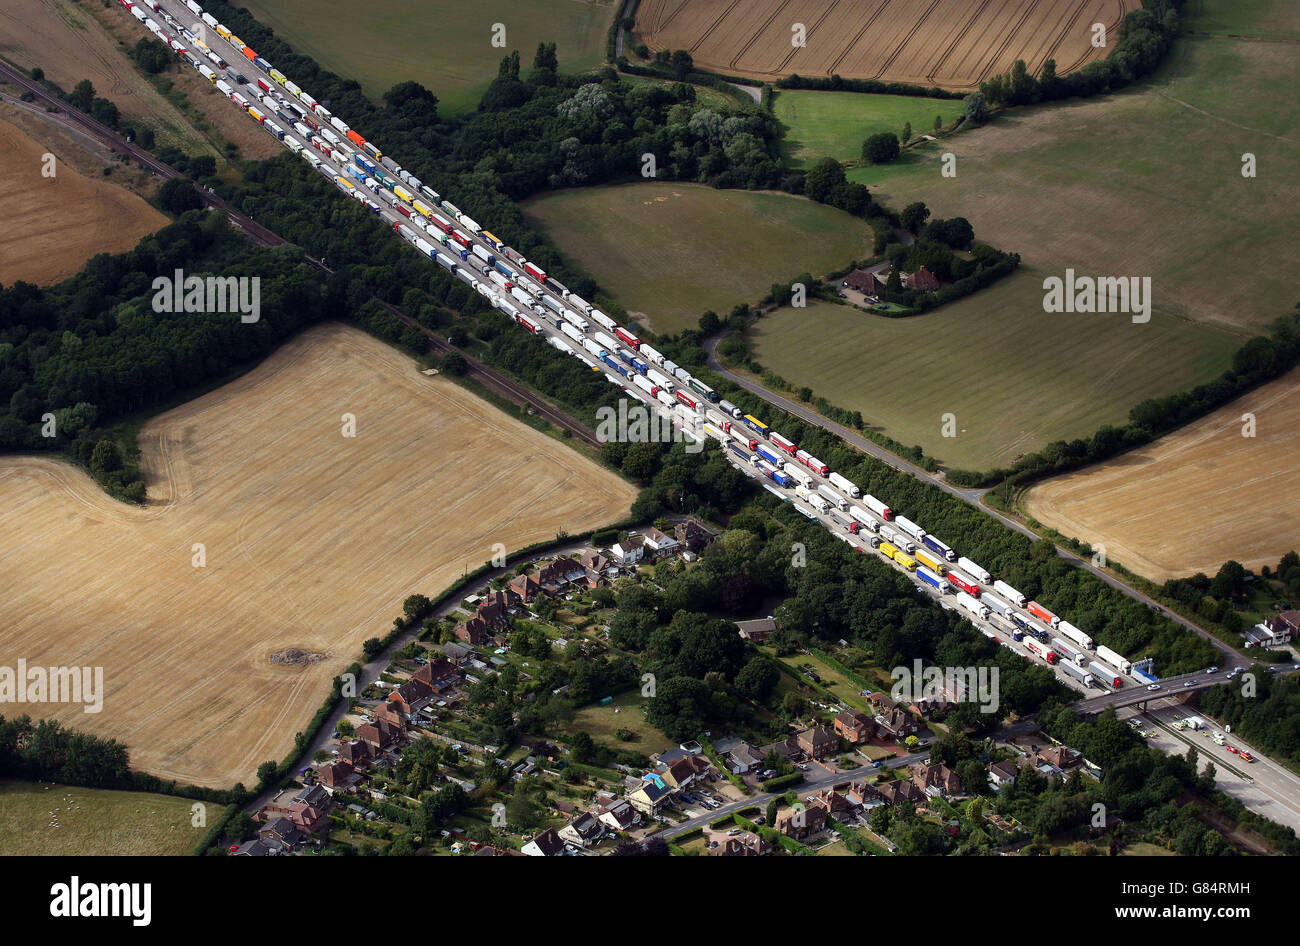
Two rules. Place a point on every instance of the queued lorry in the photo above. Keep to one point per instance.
(1016, 598)
(980, 573)
(1068, 653)
(1104, 653)
(1070, 632)
(931, 578)
(1079, 672)
(833, 497)
(1041, 649)
(841, 483)
(1107, 675)
(942, 548)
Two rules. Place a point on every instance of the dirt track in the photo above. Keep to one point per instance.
(1194, 499)
(312, 541)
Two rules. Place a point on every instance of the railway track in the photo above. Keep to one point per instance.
(264, 236)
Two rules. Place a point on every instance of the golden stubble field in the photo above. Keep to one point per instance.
(50, 226)
(1196, 498)
(312, 540)
(950, 43)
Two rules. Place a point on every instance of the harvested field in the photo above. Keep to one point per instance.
(71, 42)
(312, 541)
(48, 819)
(50, 226)
(1194, 499)
(954, 44)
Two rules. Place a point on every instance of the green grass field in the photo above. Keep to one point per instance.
(603, 724)
(1144, 182)
(667, 252)
(1015, 379)
(834, 124)
(445, 45)
(38, 818)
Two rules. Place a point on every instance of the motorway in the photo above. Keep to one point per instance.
(687, 421)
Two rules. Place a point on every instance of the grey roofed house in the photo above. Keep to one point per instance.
(254, 848)
(583, 830)
(756, 630)
(675, 754)
(546, 844)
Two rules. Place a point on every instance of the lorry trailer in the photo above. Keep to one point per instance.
(941, 547)
(1038, 611)
(970, 604)
(959, 580)
(1103, 674)
(1069, 654)
(879, 508)
(932, 579)
(1070, 632)
(833, 497)
(1016, 598)
(980, 573)
(845, 484)
(1109, 656)
(1077, 672)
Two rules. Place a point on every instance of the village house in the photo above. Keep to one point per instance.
(411, 697)
(742, 758)
(802, 824)
(627, 553)
(922, 280)
(693, 536)
(526, 586)
(900, 791)
(583, 831)
(756, 631)
(546, 844)
(557, 575)
(355, 752)
(840, 807)
(282, 832)
(818, 742)
(254, 848)
(338, 776)
(380, 735)
(854, 726)
(1002, 773)
(652, 794)
(681, 773)
(390, 714)
(869, 284)
(657, 543)
(863, 795)
(936, 780)
(1061, 758)
(618, 815)
(495, 609)
(600, 569)
(745, 844)
(896, 724)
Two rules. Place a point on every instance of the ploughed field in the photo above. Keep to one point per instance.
(50, 226)
(312, 541)
(1194, 499)
(949, 43)
(667, 252)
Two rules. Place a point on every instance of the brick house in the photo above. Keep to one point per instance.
(390, 714)
(476, 632)
(692, 535)
(555, 576)
(440, 675)
(526, 586)
(746, 844)
(802, 824)
(337, 776)
(854, 726)
(495, 609)
(862, 281)
(897, 792)
(411, 697)
(818, 742)
(896, 724)
(936, 780)
(379, 734)
(354, 752)
(922, 280)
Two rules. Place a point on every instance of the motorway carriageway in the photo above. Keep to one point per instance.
(236, 60)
